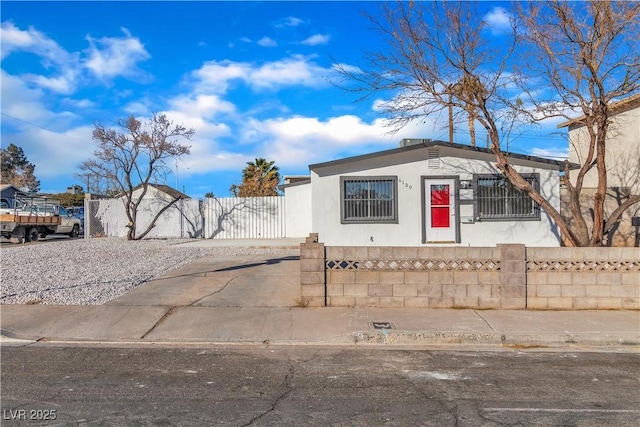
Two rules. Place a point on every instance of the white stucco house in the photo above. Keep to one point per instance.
(424, 193)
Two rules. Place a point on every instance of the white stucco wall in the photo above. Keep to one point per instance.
(298, 210)
(410, 168)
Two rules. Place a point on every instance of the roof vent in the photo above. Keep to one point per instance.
(433, 158)
(406, 142)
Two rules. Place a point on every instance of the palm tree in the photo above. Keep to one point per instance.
(259, 178)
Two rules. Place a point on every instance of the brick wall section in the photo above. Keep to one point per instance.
(513, 276)
(507, 277)
(312, 274)
(413, 286)
(583, 278)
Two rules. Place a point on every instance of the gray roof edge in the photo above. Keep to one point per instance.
(623, 105)
(160, 187)
(295, 184)
(347, 160)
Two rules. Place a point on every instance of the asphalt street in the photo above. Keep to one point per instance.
(306, 385)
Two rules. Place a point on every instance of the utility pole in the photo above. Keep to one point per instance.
(450, 116)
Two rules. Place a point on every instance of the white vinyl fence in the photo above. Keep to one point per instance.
(244, 218)
(213, 218)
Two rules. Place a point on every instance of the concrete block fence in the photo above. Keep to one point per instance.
(583, 278)
(504, 277)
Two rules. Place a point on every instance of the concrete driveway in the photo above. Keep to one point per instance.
(241, 281)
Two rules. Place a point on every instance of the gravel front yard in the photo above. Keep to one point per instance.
(94, 271)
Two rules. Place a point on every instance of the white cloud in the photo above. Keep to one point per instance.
(296, 141)
(13, 37)
(55, 154)
(32, 41)
(558, 153)
(53, 58)
(207, 131)
(216, 76)
(64, 83)
(110, 57)
(208, 161)
(48, 138)
(498, 21)
(79, 103)
(290, 21)
(19, 100)
(347, 68)
(315, 40)
(138, 109)
(200, 112)
(207, 106)
(62, 71)
(379, 104)
(267, 42)
(293, 71)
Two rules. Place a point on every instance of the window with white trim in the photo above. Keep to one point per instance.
(369, 199)
(497, 199)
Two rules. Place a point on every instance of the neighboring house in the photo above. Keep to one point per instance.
(623, 164)
(75, 189)
(8, 194)
(159, 191)
(426, 193)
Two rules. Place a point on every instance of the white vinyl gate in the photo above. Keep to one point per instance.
(215, 218)
(244, 218)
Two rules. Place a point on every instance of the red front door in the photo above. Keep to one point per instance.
(440, 205)
(440, 210)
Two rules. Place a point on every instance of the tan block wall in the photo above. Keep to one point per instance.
(583, 279)
(416, 288)
(519, 278)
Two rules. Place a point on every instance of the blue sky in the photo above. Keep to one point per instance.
(252, 78)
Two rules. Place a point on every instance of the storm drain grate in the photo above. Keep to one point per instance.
(382, 325)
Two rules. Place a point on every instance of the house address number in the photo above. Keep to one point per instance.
(405, 183)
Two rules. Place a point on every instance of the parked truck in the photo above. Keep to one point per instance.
(27, 218)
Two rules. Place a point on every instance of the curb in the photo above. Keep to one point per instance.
(382, 339)
(387, 337)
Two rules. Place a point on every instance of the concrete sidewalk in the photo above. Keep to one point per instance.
(253, 300)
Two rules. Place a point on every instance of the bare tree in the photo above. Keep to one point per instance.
(435, 57)
(95, 184)
(588, 54)
(130, 158)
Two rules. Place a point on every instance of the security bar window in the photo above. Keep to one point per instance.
(369, 200)
(498, 199)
